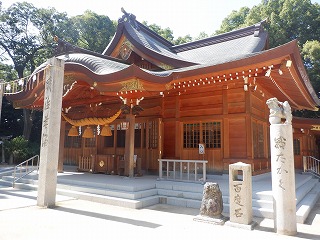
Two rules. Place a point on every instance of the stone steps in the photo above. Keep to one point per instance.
(174, 193)
(139, 198)
(307, 193)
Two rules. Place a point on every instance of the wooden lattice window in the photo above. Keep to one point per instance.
(296, 146)
(72, 142)
(109, 140)
(211, 134)
(121, 138)
(90, 142)
(208, 132)
(258, 140)
(153, 134)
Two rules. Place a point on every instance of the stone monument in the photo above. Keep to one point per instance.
(240, 196)
(211, 205)
(50, 136)
(282, 167)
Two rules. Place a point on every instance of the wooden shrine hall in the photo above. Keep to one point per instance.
(146, 99)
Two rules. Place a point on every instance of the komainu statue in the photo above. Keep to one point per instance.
(212, 204)
(279, 111)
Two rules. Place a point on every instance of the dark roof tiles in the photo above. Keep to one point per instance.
(95, 64)
(226, 51)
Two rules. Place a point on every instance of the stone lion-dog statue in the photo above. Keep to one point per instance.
(279, 111)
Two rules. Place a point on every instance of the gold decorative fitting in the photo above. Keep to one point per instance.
(101, 163)
(131, 85)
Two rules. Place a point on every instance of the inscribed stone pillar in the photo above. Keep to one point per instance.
(240, 193)
(282, 168)
(129, 147)
(50, 137)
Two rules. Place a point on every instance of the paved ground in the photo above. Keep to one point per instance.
(20, 218)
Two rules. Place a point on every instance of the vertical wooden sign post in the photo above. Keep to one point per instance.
(49, 151)
(282, 167)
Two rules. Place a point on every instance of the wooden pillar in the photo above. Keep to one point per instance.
(50, 137)
(129, 147)
(61, 148)
(1, 97)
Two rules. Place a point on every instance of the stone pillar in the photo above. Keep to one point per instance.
(240, 195)
(129, 147)
(49, 152)
(282, 168)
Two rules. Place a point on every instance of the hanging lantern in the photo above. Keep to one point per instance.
(88, 133)
(73, 132)
(106, 131)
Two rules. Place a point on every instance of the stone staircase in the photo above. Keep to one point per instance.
(146, 191)
(118, 195)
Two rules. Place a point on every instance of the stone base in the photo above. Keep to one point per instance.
(216, 221)
(242, 226)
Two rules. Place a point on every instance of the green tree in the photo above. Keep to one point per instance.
(26, 38)
(235, 20)
(311, 56)
(201, 35)
(95, 31)
(181, 40)
(166, 33)
(20, 149)
(286, 20)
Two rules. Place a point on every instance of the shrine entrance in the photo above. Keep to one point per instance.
(105, 154)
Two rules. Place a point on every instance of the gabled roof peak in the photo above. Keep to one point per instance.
(130, 18)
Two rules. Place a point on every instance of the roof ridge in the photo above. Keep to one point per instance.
(254, 30)
(131, 18)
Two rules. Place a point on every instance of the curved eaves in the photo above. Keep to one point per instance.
(96, 65)
(150, 47)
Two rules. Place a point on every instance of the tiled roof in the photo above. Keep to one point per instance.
(226, 51)
(213, 50)
(145, 39)
(95, 64)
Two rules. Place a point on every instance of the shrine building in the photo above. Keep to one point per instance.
(148, 99)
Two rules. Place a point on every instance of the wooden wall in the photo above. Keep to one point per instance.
(237, 111)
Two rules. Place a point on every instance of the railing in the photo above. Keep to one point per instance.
(312, 165)
(86, 164)
(183, 170)
(25, 168)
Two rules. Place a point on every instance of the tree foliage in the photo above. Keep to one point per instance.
(27, 40)
(167, 34)
(234, 20)
(95, 31)
(26, 35)
(286, 20)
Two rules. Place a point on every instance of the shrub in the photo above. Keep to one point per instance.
(21, 149)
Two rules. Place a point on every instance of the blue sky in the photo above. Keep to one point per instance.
(181, 16)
